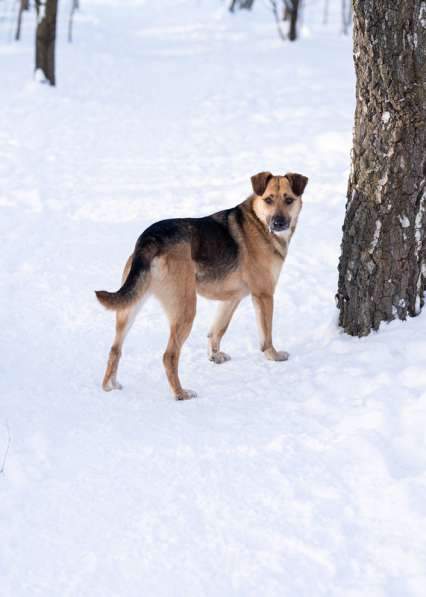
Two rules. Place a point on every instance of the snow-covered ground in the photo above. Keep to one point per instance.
(297, 479)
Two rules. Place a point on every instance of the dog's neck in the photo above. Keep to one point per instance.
(278, 241)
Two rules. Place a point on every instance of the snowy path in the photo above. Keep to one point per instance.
(298, 479)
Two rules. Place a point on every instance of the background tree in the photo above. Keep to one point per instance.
(23, 6)
(283, 11)
(346, 15)
(75, 5)
(286, 11)
(382, 268)
(45, 38)
(244, 4)
(291, 14)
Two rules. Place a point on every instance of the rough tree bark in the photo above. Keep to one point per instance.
(382, 269)
(45, 38)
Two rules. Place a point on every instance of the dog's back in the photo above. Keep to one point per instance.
(214, 249)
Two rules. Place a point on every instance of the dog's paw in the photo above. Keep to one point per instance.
(111, 385)
(277, 355)
(186, 395)
(219, 357)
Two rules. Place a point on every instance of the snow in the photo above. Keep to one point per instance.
(404, 221)
(418, 223)
(41, 13)
(376, 236)
(39, 76)
(418, 236)
(305, 478)
(422, 14)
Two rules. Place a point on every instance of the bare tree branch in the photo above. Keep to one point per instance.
(277, 19)
(9, 441)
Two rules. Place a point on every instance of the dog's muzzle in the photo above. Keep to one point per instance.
(279, 223)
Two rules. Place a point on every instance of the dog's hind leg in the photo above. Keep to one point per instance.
(174, 286)
(124, 321)
(224, 314)
(179, 332)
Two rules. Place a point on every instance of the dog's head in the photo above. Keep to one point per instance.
(278, 200)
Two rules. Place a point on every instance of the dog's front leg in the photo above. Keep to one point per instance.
(225, 312)
(264, 306)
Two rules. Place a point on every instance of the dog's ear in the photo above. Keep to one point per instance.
(298, 182)
(260, 181)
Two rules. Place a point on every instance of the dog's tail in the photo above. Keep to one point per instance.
(135, 284)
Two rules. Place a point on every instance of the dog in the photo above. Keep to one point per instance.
(224, 257)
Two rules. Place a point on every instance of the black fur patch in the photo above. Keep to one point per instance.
(213, 247)
(239, 216)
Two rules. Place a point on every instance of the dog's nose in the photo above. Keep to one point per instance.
(279, 223)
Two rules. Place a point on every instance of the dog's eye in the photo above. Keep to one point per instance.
(269, 200)
(289, 200)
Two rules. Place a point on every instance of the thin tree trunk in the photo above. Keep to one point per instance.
(325, 13)
(277, 19)
(343, 9)
(23, 5)
(74, 8)
(382, 269)
(346, 16)
(293, 14)
(45, 38)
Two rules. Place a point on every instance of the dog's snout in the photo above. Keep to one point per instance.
(280, 223)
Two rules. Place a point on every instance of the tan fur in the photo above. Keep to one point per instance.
(173, 281)
(223, 317)
(173, 284)
(124, 321)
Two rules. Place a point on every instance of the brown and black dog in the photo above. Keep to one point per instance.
(224, 257)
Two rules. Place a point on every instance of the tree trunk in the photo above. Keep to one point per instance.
(382, 269)
(23, 5)
(45, 38)
(293, 14)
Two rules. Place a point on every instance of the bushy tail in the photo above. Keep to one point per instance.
(131, 291)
